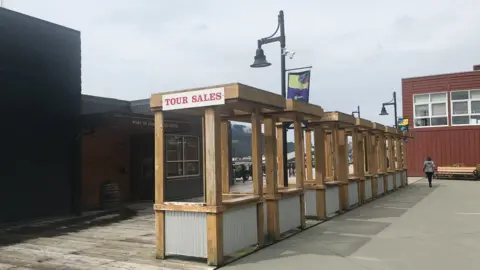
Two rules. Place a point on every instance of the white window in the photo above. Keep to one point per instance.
(465, 107)
(430, 110)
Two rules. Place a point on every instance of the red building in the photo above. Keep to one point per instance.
(444, 118)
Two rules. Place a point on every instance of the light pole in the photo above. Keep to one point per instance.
(356, 112)
(261, 61)
(393, 103)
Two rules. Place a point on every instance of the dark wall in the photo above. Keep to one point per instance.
(40, 89)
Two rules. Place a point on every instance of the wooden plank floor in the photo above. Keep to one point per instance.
(113, 242)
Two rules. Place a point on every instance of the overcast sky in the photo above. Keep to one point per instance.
(359, 50)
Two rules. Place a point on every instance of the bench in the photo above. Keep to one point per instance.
(457, 172)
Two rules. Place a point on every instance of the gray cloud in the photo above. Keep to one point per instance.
(360, 50)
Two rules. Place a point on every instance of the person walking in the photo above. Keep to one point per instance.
(429, 168)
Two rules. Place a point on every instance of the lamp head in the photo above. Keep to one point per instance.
(383, 111)
(260, 59)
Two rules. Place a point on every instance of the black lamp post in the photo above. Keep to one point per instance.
(356, 112)
(393, 103)
(261, 61)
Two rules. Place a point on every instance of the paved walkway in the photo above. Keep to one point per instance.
(415, 228)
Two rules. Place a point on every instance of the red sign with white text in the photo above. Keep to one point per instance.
(194, 99)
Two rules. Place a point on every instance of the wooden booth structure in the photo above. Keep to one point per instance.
(391, 136)
(360, 135)
(284, 207)
(336, 181)
(224, 223)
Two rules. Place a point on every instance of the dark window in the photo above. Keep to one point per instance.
(182, 156)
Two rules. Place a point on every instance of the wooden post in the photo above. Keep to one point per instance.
(373, 169)
(398, 155)
(382, 160)
(355, 153)
(391, 154)
(357, 141)
(320, 161)
(214, 186)
(361, 155)
(320, 155)
(279, 155)
(300, 166)
(404, 160)
(159, 184)
(341, 171)
(273, 221)
(308, 153)
(225, 156)
(299, 153)
(203, 161)
(329, 155)
(257, 175)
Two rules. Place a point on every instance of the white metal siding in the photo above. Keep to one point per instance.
(398, 179)
(368, 189)
(311, 202)
(352, 193)
(289, 213)
(332, 200)
(239, 229)
(380, 185)
(186, 234)
(391, 183)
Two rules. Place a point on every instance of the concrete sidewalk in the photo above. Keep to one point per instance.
(415, 228)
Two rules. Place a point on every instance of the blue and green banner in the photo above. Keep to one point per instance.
(299, 86)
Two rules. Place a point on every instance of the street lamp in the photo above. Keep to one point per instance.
(261, 61)
(393, 103)
(356, 112)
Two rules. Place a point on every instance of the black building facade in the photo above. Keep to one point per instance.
(40, 90)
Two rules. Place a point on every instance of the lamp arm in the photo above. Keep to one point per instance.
(276, 31)
(388, 103)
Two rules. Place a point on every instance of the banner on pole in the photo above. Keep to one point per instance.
(403, 123)
(299, 86)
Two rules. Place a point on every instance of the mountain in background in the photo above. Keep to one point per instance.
(242, 141)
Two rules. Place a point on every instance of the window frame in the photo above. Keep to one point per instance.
(429, 103)
(469, 107)
(183, 160)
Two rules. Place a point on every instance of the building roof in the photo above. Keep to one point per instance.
(475, 69)
(96, 104)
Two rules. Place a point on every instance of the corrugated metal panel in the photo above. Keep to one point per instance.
(390, 181)
(368, 189)
(289, 213)
(447, 145)
(353, 193)
(239, 229)
(380, 185)
(398, 179)
(332, 200)
(186, 234)
(311, 203)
